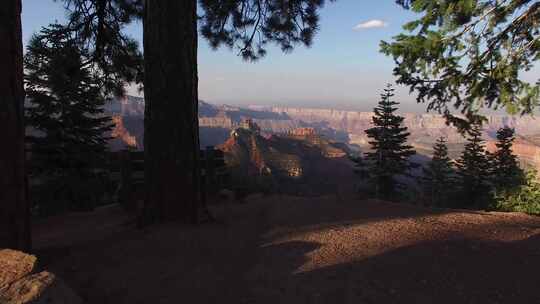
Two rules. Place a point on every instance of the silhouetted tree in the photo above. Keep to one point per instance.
(466, 53)
(14, 208)
(171, 81)
(170, 74)
(438, 177)
(506, 173)
(389, 155)
(65, 110)
(97, 29)
(474, 169)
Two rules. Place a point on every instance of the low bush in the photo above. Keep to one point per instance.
(524, 198)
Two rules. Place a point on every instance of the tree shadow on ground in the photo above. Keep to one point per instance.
(249, 260)
(451, 271)
(167, 263)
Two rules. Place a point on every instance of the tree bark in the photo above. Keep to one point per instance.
(171, 112)
(14, 207)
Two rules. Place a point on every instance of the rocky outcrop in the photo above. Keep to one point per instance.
(14, 265)
(302, 132)
(121, 134)
(20, 284)
(286, 161)
(216, 122)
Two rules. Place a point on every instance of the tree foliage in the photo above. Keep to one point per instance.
(250, 25)
(469, 54)
(474, 169)
(170, 80)
(389, 155)
(438, 178)
(246, 25)
(64, 112)
(506, 172)
(98, 29)
(524, 198)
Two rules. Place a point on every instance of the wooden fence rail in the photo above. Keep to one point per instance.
(127, 168)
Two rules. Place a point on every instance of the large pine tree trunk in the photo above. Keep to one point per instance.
(171, 121)
(14, 209)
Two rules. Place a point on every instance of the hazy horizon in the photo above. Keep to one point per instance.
(362, 106)
(342, 70)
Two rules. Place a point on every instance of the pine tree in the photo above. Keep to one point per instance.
(438, 176)
(65, 110)
(97, 27)
(474, 169)
(389, 155)
(506, 173)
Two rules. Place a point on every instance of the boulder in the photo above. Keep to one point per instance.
(19, 284)
(14, 265)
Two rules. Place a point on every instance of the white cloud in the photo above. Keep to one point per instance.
(370, 24)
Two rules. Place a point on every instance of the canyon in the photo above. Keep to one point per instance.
(347, 127)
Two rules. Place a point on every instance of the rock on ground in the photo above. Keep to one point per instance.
(19, 284)
(15, 265)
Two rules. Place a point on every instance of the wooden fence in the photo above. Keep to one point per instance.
(127, 168)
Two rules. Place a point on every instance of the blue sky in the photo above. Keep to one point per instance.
(343, 68)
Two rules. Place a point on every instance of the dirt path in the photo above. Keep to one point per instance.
(300, 250)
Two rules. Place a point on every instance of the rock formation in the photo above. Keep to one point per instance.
(20, 283)
(121, 134)
(216, 122)
(299, 159)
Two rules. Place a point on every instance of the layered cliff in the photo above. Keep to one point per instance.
(347, 127)
(528, 152)
(121, 136)
(346, 119)
(422, 126)
(286, 162)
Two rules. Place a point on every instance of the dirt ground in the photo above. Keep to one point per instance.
(299, 250)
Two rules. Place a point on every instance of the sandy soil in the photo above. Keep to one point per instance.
(299, 250)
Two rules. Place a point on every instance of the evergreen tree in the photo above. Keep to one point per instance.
(389, 155)
(438, 176)
(467, 54)
(65, 110)
(474, 169)
(506, 173)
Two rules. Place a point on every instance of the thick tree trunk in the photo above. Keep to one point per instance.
(14, 209)
(171, 121)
